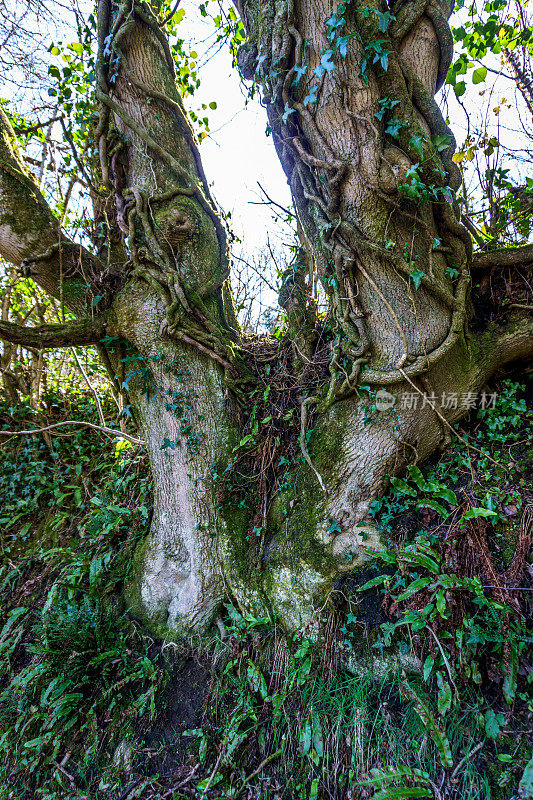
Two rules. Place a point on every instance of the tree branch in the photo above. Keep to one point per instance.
(501, 345)
(30, 235)
(80, 423)
(504, 257)
(83, 332)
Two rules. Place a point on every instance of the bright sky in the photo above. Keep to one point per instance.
(237, 154)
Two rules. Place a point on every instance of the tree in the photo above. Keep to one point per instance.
(267, 453)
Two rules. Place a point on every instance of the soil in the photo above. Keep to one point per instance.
(181, 708)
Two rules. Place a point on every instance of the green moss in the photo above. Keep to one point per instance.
(295, 529)
(510, 540)
(328, 438)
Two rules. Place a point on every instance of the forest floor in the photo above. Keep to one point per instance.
(416, 682)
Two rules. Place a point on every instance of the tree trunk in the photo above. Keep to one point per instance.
(349, 96)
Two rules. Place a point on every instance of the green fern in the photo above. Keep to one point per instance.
(402, 792)
(395, 773)
(525, 789)
(432, 727)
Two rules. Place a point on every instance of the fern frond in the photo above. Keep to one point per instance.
(402, 792)
(432, 727)
(395, 773)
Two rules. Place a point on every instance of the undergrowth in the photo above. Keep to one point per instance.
(415, 682)
(75, 670)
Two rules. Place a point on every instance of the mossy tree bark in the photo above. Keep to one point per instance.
(349, 96)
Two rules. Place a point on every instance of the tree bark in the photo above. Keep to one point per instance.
(73, 334)
(349, 97)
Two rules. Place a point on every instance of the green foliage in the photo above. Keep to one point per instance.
(488, 33)
(470, 633)
(76, 672)
(282, 718)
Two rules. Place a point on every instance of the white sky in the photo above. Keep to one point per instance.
(237, 154)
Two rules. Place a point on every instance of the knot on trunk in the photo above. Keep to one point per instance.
(393, 170)
(177, 223)
(247, 60)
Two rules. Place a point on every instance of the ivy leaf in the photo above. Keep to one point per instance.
(300, 72)
(386, 104)
(448, 195)
(332, 25)
(394, 127)
(459, 88)
(325, 64)
(335, 526)
(493, 723)
(416, 276)
(288, 111)
(441, 142)
(342, 45)
(475, 513)
(168, 443)
(384, 19)
(417, 143)
(412, 171)
(311, 97)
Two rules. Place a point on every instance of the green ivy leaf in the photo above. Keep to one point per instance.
(417, 143)
(416, 276)
(493, 723)
(335, 526)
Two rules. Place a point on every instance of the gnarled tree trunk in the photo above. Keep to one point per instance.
(349, 93)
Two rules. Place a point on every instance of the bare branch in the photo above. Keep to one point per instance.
(81, 423)
(513, 342)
